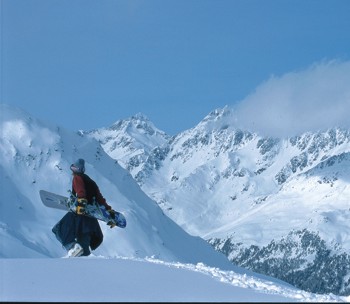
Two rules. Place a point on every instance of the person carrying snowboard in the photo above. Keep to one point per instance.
(76, 232)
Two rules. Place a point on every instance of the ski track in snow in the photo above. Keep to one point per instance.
(245, 281)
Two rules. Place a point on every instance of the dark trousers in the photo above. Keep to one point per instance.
(74, 228)
(84, 241)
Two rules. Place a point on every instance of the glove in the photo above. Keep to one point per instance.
(80, 209)
(112, 213)
(111, 224)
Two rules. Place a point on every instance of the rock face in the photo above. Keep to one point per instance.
(302, 259)
(279, 206)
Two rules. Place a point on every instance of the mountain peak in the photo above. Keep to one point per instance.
(218, 119)
(138, 123)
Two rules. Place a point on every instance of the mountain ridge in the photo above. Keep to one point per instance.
(223, 183)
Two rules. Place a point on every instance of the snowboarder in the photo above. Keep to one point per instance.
(76, 232)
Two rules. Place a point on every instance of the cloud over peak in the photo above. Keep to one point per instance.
(317, 98)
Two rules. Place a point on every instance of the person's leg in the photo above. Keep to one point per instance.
(69, 246)
(76, 250)
(84, 241)
(65, 232)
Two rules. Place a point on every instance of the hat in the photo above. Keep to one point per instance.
(78, 166)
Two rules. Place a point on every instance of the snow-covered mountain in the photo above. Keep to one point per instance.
(35, 155)
(152, 258)
(278, 206)
(130, 141)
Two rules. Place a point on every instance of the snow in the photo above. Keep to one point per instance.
(152, 259)
(121, 279)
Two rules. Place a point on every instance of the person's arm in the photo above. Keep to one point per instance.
(101, 200)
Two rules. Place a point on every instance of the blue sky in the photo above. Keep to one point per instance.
(84, 64)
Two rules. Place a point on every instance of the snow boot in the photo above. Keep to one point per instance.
(75, 251)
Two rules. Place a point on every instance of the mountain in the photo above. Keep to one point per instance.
(278, 206)
(152, 258)
(35, 155)
(130, 141)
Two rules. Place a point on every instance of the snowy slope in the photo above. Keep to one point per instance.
(247, 194)
(138, 280)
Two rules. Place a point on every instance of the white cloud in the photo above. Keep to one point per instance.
(314, 99)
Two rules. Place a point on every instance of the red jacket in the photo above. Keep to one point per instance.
(84, 187)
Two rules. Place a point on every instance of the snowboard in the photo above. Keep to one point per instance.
(94, 210)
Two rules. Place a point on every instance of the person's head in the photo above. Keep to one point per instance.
(78, 166)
